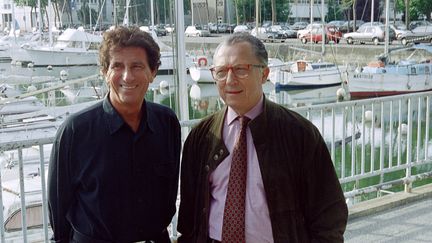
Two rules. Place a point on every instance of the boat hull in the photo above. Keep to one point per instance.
(392, 81)
(308, 79)
(57, 58)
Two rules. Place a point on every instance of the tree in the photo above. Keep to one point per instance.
(85, 12)
(273, 10)
(334, 11)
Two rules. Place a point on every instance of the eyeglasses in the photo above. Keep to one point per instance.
(220, 73)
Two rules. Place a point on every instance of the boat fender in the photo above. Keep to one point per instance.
(202, 61)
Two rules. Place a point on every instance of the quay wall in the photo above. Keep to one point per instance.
(291, 50)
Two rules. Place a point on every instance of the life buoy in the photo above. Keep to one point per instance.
(202, 61)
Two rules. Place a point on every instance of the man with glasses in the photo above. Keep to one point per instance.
(255, 171)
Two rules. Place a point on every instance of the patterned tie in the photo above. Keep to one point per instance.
(233, 228)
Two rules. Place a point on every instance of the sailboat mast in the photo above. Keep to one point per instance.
(323, 30)
(152, 13)
(39, 20)
(50, 36)
(257, 15)
(387, 32)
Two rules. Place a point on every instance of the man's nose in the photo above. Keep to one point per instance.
(127, 75)
(230, 75)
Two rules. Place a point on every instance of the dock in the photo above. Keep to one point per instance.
(401, 217)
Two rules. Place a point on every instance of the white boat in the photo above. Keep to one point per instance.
(11, 44)
(302, 74)
(381, 79)
(200, 71)
(73, 48)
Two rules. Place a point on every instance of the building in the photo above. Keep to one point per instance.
(27, 20)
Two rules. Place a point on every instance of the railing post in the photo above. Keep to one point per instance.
(408, 183)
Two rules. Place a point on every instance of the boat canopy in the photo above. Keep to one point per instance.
(77, 35)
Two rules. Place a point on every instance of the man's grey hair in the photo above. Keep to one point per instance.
(257, 46)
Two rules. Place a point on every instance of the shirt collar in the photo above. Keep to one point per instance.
(251, 114)
(115, 121)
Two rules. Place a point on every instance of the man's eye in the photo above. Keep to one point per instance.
(240, 69)
(221, 73)
(139, 67)
(115, 66)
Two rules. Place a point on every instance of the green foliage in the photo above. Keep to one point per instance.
(32, 3)
(334, 11)
(420, 9)
(84, 14)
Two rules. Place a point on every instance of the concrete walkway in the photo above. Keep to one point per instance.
(404, 217)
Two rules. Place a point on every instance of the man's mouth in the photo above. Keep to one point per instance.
(128, 86)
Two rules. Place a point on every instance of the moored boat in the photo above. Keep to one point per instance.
(301, 74)
(382, 79)
(73, 48)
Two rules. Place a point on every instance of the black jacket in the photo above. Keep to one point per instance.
(306, 203)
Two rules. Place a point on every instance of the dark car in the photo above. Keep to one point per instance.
(332, 33)
(299, 25)
(273, 35)
(421, 34)
(160, 30)
(414, 24)
(348, 26)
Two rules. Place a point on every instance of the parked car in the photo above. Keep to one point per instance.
(417, 35)
(337, 23)
(273, 35)
(299, 25)
(425, 29)
(241, 28)
(160, 30)
(348, 26)
(368, 33)
(265, 34)
(169, 28)
(230, 28)
(285, 30)
(414, 24)
(332, 33)
(196, 31)
(308, 29)
(398, 31)
(289, 33)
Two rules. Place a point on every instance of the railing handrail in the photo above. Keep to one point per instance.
(351, 170)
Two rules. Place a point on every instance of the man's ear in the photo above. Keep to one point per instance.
(265, 75)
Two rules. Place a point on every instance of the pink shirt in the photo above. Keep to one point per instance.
(258, 225)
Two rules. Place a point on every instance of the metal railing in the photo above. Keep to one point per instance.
(377, 145)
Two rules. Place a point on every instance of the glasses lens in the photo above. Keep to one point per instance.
(220, 72)
(241, 70)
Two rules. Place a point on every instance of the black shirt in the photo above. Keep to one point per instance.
(109, 183)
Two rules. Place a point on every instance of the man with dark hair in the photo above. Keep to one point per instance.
(255, 171)
(114, 167)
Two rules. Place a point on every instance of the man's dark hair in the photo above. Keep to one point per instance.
(120, 37)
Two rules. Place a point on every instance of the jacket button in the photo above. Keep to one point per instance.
(220, 151)
(216, 157)
(207, 168)
(204, 210)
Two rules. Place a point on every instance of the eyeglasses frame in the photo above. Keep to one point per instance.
(230, 67)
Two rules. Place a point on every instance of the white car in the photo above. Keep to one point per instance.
(241, 28)
(309, 27)
(196, 31)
